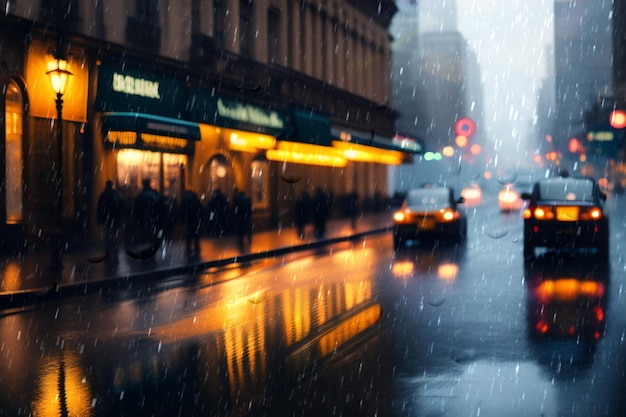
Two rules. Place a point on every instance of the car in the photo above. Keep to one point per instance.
(429, 213)
(566, 212)
(473, 195)
(509, 198)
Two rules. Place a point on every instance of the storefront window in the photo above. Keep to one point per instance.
(172, 164)
(133, 166)
(13, 153)
(260, 183)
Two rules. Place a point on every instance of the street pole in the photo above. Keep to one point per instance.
(57, 251)
(59, 74)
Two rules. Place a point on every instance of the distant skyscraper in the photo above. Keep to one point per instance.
(437, 16)
(582, 56)
(435, 81)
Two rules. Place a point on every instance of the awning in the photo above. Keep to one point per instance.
(150, 124)
(364, 147)
(397, 143)
(311, 128)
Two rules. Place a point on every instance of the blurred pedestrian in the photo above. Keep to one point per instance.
(109, 216)
(352, 204)
(148, 212)
(242, 214)
(191, 212)
(320, 212)
(303, 206)
(217, 214)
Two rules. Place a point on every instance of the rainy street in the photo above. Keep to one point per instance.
(448, 330)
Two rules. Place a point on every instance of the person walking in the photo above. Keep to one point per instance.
(303, 205)
(352, 204)
(148, 211)
(109, 216)
(320, 212)
(242, 213)
(217, 214)
(191, 212)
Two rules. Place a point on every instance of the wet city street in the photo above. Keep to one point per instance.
(352, 329)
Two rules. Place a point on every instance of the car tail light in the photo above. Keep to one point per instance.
(593, 214)
(542, 326)
(542, 213)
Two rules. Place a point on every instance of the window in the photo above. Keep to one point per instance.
(245, 28)
(260, 183)
(13, 153)
(273, 36)
(219, 16)
(133, 166)
(148, 11)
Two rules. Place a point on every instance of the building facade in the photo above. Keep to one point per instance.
(271, 97)
(583, 55)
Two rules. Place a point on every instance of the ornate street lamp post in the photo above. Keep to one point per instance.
(59, 75)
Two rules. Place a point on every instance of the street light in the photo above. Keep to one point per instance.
(59, 75)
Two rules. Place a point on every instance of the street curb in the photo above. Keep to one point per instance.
(23, 298)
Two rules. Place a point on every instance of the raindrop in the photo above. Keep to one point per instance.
(437, 301)
(497, 234)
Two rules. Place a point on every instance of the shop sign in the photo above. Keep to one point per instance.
(135, 86)
(123, 88)
(232, 112)
(147, 140)
(249, 114)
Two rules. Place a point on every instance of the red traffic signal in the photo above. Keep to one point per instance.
(465, 127)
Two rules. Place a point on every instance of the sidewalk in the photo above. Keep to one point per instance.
(27, 278)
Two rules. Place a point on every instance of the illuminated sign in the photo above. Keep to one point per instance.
(135, 86)
(163, 142)
(122, 138)
(600, 136)
(249, 114)
(148, 139)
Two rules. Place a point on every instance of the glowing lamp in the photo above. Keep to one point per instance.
(59, 75)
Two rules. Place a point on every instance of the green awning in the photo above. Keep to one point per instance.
(151, 124)
(311, 128)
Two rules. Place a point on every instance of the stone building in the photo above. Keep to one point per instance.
(272, 97)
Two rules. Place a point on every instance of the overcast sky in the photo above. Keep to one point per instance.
(511, 40)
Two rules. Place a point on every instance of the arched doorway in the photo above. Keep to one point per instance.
(13, 157)
(217, 174)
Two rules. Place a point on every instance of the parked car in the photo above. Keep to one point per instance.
(429, 213)
(566, 212)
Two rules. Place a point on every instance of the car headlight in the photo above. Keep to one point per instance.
(448, 215)
(399, 216)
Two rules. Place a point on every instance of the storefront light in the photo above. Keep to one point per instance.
(304, 153)
(364, 153)
(250, 142)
